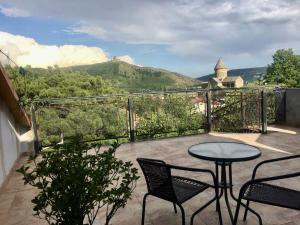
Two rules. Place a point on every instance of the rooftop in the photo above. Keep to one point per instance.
(16, 209)
(231, 78)
(220, 64)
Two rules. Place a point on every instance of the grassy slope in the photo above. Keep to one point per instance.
(136, 78)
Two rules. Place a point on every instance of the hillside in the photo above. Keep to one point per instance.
(135, 78)
(248, 74)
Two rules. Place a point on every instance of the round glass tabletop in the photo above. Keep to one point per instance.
(224, 151)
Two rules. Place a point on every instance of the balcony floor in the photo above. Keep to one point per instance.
(16, 208)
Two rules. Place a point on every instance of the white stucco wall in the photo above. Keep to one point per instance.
(13, 141)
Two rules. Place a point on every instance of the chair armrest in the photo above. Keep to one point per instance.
(271, 161)
(195, 170)
(265, 179)
(280, 177)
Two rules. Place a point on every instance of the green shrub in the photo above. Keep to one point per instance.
(76, 180)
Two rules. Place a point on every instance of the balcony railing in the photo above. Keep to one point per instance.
(143, 116)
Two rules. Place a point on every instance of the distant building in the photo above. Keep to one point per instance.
(222, 80)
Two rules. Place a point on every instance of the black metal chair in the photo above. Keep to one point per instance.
(175, 189)
(257, 190)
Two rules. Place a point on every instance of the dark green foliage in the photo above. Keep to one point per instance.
(76, 180)
(285, 69)
(55, 82)
(236, 111)
(271, 107)
(106, 119)
(89, 118)
(163, 115)
(155, 116)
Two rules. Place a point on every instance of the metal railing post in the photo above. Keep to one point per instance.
(264, 105)
(208, 111)
(243, 108)
(131, 121)
(35, 131)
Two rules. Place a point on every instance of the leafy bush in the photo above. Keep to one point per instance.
(236, 111)
(167, 115)
(76, 180)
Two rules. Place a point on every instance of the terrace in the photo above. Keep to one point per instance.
(16, 209)
(162, 125)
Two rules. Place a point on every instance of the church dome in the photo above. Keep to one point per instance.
(220, 64)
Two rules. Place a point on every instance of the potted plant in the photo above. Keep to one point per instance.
(76, 180)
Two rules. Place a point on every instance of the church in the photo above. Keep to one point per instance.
(222, 80)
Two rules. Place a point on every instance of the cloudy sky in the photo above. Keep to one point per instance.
(186, 36)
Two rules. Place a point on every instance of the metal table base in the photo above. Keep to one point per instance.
(225, 188)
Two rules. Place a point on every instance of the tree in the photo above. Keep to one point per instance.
(76, 180)
(285, 69)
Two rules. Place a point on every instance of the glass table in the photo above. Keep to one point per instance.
(224, 154)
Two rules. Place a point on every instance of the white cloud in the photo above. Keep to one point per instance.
(13, 12)
(199, 30)
(94, 31)
(26, 51)
(126, 58)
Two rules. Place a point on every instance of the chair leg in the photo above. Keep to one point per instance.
(247, 208)
(255, 213)
(203, 207)
(175, 209)
(182, 214)
(219, 211)
(144, 208)
(246, 211)
(237, 212)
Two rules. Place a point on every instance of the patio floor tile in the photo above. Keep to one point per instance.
(16, 208)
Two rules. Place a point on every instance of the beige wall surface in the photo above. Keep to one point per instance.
(239, 83)
(221, 74)
(13, 141)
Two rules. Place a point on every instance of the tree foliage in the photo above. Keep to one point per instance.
(100, 118)
(164, 115)
(56, 82)
(285, 69)
(236, 111)
(76, 180)
(89, 118)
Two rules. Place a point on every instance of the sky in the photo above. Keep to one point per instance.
(186, 36)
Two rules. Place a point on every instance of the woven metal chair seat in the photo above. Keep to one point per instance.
(184, 189)
(187, 188)
(272, 194)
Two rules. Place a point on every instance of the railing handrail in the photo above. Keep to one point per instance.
(105, 96)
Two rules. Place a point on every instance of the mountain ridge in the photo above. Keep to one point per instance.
(134, 77)
(248, 74)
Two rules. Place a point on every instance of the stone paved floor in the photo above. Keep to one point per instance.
(16, 209)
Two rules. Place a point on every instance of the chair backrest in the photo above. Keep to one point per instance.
(158, 178)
